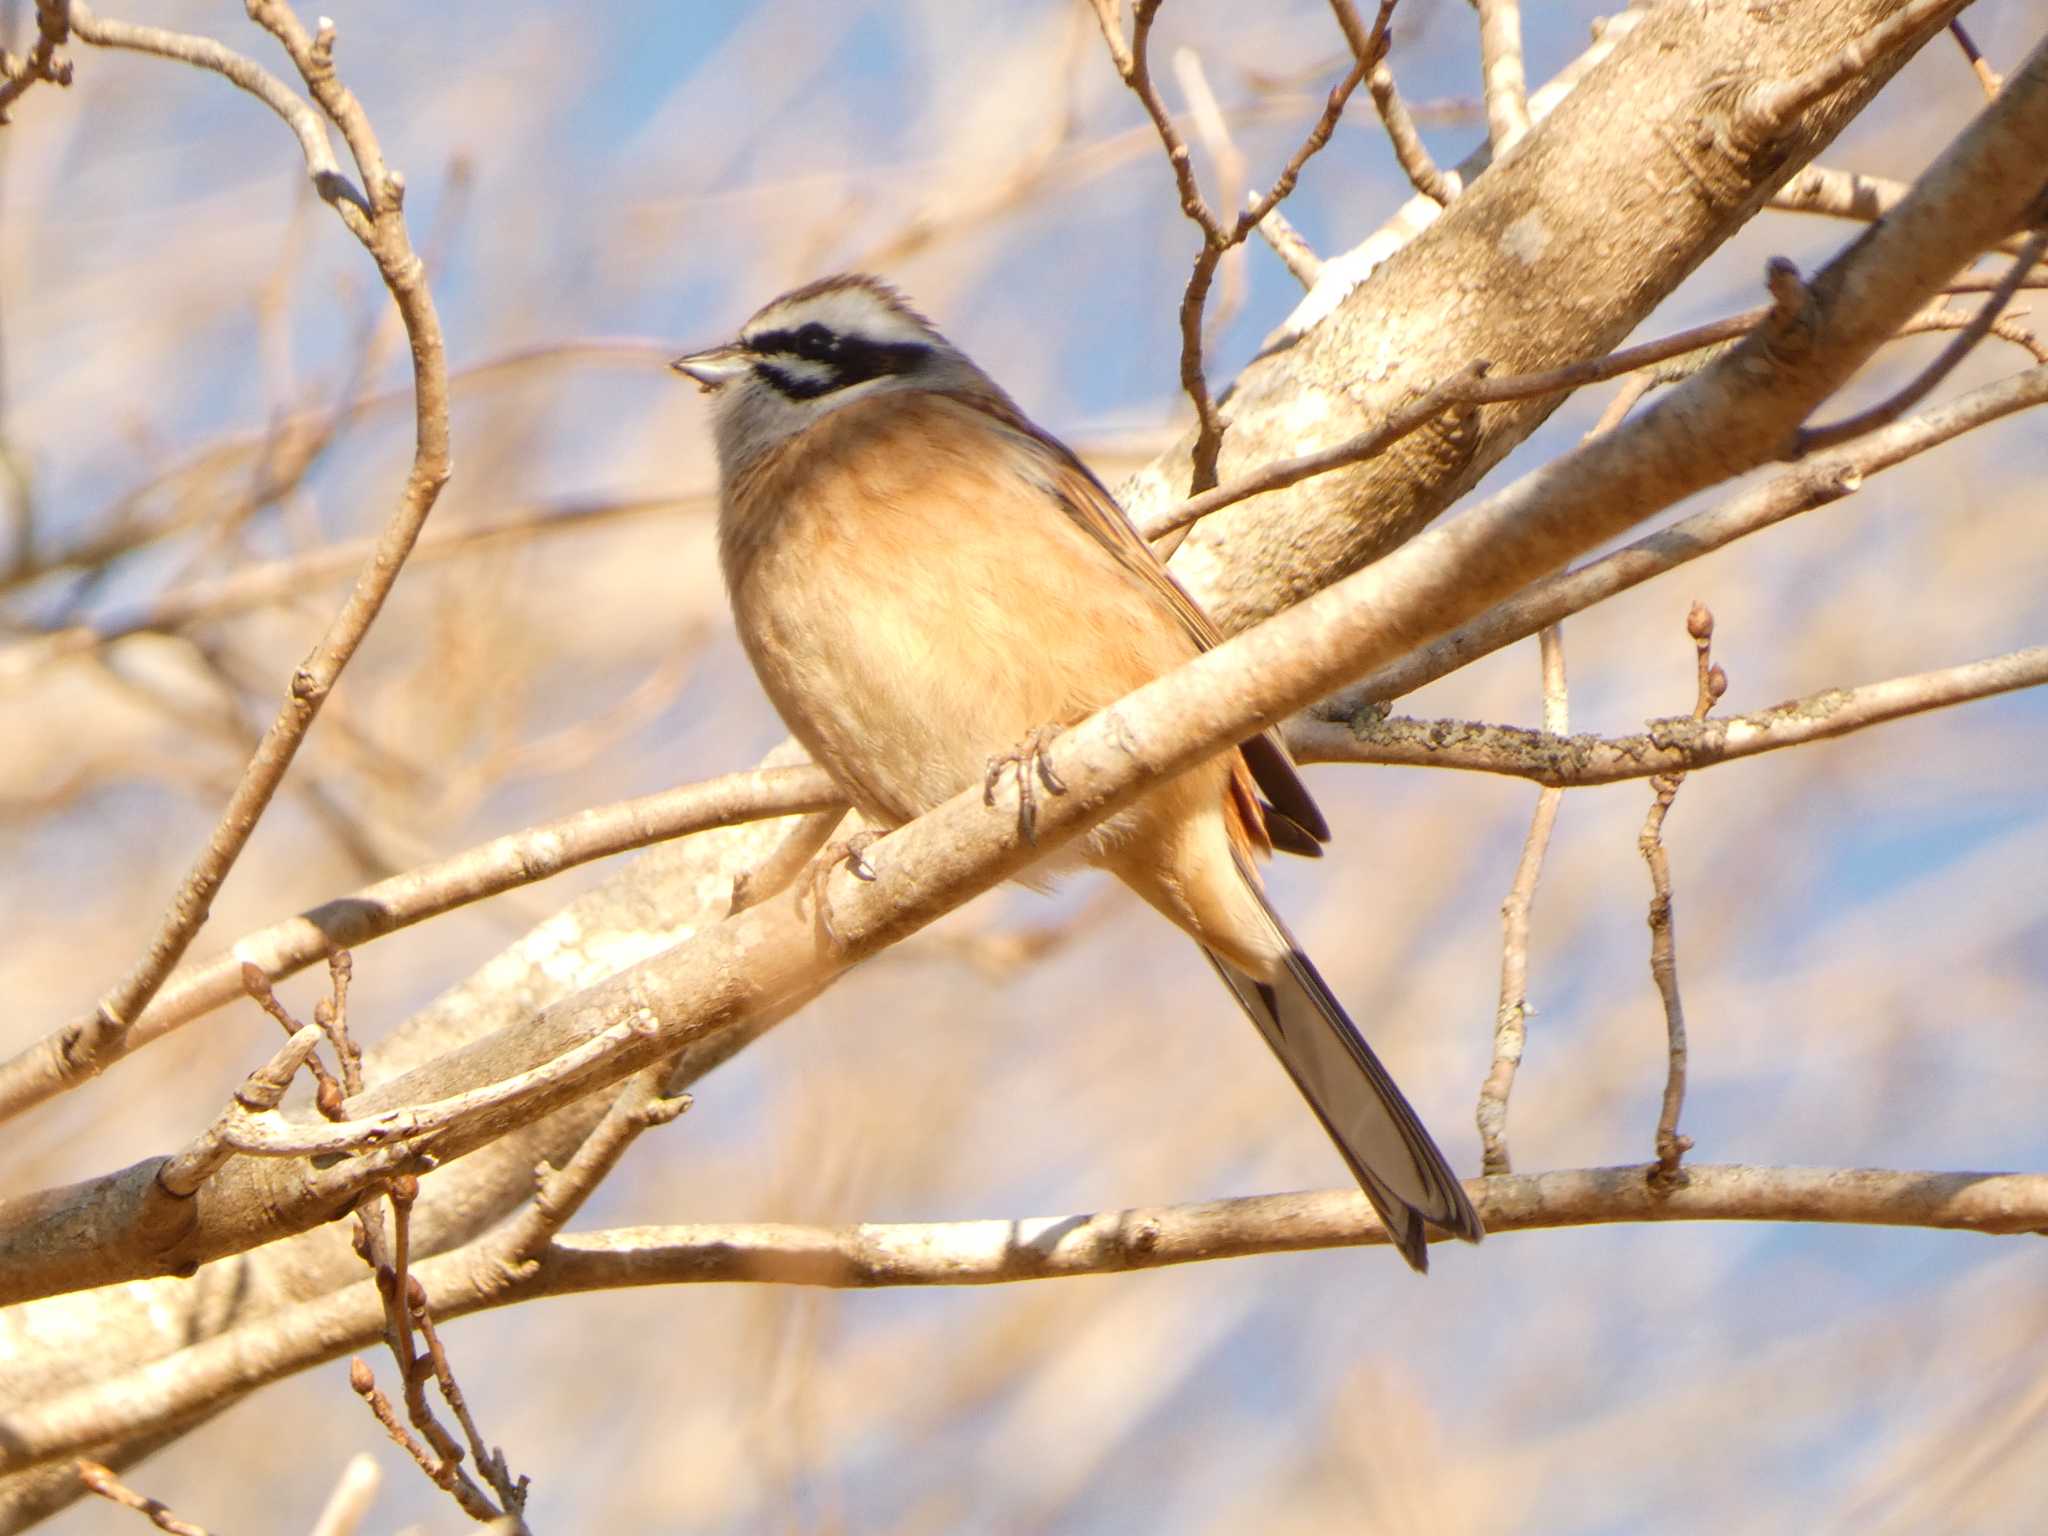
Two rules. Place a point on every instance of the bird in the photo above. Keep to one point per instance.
(929, 587)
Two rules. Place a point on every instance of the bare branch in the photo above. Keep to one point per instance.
(561, 1192)
(1775, 105)
(205, 53)
(1813, 484)
(53, 18)
(1278, 231)
(1500, 58)
(383, 234)
(1669, 746)
(264, 1090)
(1133, 64)
(1712, 683)
(1409, 150)
(506, 863)
(274, 581)
(1469, 387)
(1986, 75)
(1890, 409)
(1510, 1024)
(998, 1252)
(1345, 272)
(776, 873)
(101, 1480)
(1839, 194)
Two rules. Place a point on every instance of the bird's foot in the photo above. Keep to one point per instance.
(850, 851)
(1030, 760)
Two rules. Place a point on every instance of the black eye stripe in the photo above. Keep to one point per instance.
(795, 388)
(849, 359)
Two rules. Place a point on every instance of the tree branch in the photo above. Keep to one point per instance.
(1500, 61)
(489, 869)
(1656, 179)
(1814, 483)
(1670, 746)
(990, 1253)
(53, 20)
(378, 221)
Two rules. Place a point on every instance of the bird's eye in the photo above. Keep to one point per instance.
(816, 342)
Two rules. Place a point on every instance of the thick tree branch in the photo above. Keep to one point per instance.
(1616, 196)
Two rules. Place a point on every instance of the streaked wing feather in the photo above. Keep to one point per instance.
(1293, 822)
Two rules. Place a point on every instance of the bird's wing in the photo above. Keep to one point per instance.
(1292, 819)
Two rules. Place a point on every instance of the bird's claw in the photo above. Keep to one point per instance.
(849, 851)
(1030, 758)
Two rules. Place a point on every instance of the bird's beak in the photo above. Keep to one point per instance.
(714, 366)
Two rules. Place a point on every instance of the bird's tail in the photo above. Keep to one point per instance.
(1396, 1164)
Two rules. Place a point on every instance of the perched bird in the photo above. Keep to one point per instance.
(929, 586)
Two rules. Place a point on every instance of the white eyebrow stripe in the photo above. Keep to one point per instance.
(849, 311)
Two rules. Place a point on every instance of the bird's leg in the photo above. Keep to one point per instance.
(849, 851)
(1029, 757)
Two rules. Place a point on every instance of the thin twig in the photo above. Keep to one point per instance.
(101, 1480)
(560, 1192)
(219, 454)
(1418, 413)
(1807, 439)
(1133, 65)
(1290, 246)
(257, 984)
(403, 1304)
(1669, 746)
(1986, 75)
(264, 1089)
(363, 1382)
(1409, 150)
(505, 863)
(1711, 684)
(265, 1133)
(53, 25)
(1468, 387)
(1510, 1025)
(381, 229)
(790, 858)
(488, 1459)
(1814, 483)
(328, 179)
(331, 1014)
(1472, 386)
(1937, 317)
(1839, 194)
(274, 581)
(1213, 129)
